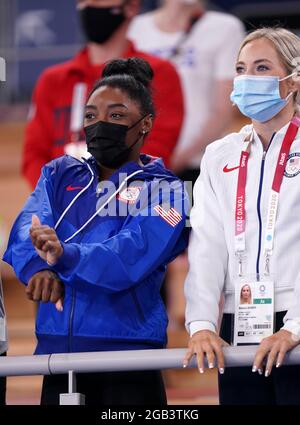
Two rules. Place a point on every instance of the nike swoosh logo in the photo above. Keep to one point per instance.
(227, 170)
(70, 187)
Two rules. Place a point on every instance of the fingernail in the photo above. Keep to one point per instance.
(184, 365)
(221, 370)
(201, 370)
(254, 369)
(260, 371)
(211, 365)
(278, 365)
(266, 373)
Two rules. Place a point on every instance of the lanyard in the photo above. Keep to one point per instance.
(177, 49)
(240, 210)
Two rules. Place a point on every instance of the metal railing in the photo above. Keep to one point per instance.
(111, 361)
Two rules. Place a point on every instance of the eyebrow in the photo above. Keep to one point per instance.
(90, 107)
(113, 105)
(256, 62)
(117, 105)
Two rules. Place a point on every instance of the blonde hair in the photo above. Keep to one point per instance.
(286, 44)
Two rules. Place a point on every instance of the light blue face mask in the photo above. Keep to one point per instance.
(258, 97)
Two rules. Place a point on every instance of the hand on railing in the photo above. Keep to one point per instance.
(45, 286)
(207, 343)
(273, 350)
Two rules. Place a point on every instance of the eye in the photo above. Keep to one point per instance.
(262, 68)
(89, 116)
(116, 115)
(239, 69)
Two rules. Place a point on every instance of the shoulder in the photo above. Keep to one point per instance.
(223, 21)
(140, 21)
(59, 166)
(57, 73)
(163, 69)
(156, 62)
(224, 147)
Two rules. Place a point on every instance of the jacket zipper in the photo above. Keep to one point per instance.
(262, 167)
(72, 312)
(71, 319)
(261, 179)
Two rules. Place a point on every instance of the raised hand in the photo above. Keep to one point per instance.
(45, 241)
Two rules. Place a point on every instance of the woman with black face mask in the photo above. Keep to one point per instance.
(93, 241)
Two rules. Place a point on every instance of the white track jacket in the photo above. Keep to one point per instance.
(213, 263)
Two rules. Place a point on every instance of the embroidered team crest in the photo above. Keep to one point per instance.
(129, 195)
(292, 168)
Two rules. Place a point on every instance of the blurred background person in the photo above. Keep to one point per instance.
(55, 125)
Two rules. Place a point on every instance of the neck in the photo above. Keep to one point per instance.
(113, 48)
(106, 173)
(265, 130)
(172, 17)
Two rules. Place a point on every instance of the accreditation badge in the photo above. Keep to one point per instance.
(254, 309)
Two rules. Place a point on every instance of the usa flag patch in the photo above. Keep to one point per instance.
(170, 215)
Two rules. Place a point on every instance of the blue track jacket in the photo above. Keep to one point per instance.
(113, 261)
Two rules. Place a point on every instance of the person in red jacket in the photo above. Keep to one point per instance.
(55, 123)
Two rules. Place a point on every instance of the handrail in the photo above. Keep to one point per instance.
(109, 361)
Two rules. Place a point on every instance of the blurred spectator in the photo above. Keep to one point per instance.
(55, 125)
(203, 45)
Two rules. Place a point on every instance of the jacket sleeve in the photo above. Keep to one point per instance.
(39, 134)
(145, 243)
(20, 253)
(208, 257)
(169, 105)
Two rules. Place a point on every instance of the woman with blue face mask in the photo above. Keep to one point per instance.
(246, 231)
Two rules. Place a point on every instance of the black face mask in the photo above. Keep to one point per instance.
(99, 23)
(106, 142)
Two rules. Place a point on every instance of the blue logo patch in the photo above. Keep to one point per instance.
(292, 168)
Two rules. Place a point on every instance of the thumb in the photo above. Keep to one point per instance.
(59, 305)
(35, 221)
(51, 257)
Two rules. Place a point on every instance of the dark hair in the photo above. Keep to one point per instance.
(133, 76)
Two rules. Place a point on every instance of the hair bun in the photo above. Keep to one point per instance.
(137, 68)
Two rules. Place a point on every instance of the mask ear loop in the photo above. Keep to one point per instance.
(285, 78)
(288, 76)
